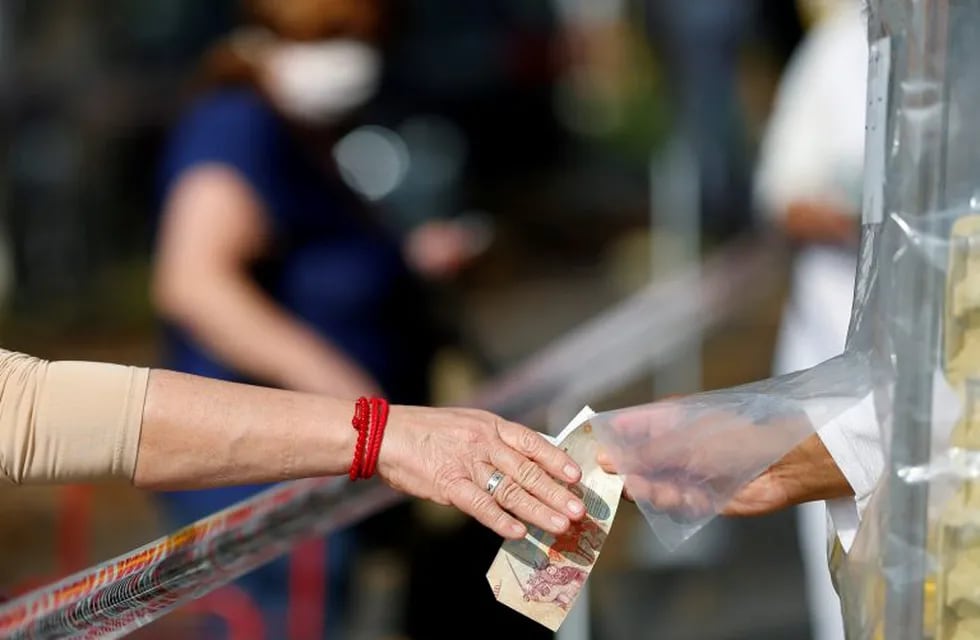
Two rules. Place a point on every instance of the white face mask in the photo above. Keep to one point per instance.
(321, 82)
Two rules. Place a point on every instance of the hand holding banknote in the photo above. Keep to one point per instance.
(542, 575)
(450, 455)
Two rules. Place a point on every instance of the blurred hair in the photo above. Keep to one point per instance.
(316, 19)
(299, 20)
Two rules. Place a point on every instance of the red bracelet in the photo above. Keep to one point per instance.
(370, 419)
(379, 419)
(360, 422)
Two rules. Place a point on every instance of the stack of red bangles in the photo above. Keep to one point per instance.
(370, 418)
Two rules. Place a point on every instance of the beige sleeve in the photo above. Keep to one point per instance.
(68, 421)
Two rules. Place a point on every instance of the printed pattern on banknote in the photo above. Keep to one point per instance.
(542, 575)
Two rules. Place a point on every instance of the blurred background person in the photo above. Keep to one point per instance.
(268, 268)
(808, 184)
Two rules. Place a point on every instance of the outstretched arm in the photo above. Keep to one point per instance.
(77, 421)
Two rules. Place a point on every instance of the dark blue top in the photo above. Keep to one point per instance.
(331, 265)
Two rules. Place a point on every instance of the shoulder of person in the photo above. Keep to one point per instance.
(234, 127)
(235, 113)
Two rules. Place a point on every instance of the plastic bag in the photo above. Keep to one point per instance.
(684, 460)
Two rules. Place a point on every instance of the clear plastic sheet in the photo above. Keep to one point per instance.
(685, 459)
(913, 356)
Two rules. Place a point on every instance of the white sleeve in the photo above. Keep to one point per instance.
(792, 162)
(854, 442)
(816, 131)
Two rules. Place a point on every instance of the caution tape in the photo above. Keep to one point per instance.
(128, 592)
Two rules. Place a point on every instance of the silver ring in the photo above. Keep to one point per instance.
(495, 479)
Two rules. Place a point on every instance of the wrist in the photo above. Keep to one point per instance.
(390, 454)
(369, 422)
(329, 439)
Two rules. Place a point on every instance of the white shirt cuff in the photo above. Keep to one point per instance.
(854, 442)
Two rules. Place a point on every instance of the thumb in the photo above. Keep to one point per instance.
(603, 459)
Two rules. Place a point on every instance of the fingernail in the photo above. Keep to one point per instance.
(576, 507)
(518, 530)
(571, 472)
(560, 521)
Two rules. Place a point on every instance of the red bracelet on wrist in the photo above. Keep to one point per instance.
(370, 419)
(360, 422)
(379, 419)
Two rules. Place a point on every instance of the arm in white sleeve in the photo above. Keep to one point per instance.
(792, 162)
(817, 121)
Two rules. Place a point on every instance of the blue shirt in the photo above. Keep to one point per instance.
(331, 266)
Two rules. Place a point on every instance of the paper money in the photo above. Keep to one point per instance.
(542, 575)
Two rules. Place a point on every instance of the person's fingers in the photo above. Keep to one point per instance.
(648, 420)
(619, 460)
(533, 446)
(512, 497)
(536, 481)
(698, 504)
(662, 495)
(605, 461)
(681, 501)
(470, 499)
(646, 438)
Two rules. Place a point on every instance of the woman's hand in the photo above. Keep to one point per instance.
(448, 455)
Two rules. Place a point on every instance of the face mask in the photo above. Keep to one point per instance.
(321, 82)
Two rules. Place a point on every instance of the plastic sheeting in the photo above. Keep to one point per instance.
(912, 358)
(684, 460)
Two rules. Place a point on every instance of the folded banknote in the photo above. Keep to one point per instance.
(542, 575)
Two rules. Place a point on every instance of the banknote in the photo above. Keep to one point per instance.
(542, 575)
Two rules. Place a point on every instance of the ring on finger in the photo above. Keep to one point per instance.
(493, 483)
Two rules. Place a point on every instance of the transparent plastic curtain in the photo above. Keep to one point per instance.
(889, 407)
